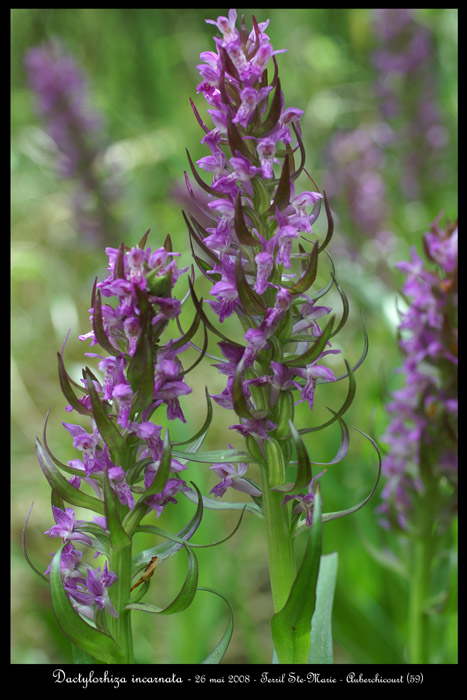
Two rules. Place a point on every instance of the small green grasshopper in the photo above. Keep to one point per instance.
(147, 573)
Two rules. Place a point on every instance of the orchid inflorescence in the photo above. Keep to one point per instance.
(422, 434)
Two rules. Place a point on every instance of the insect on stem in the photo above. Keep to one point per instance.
(147, 573)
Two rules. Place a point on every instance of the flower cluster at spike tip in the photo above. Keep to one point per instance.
(254, 252)
(422, 437)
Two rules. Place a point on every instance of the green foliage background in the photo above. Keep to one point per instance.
(141, 66)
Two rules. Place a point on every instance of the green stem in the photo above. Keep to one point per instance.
(417, 646)
(120, 627)
(422, 553)
(280, 550)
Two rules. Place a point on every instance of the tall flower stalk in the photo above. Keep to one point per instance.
(261, 255)
(125, 470)
(420, 468)
(75, 128)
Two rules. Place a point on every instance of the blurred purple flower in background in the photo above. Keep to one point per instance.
(63, 104)
(422, 435)
(395, 155)
(405, 63)
(355, 177)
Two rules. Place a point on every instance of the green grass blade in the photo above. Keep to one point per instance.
(321, 625)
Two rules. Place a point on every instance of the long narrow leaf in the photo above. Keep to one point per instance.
(62, 487)
(185, 596)
(68, 391)
(304, 474)
(220, 504)
(23, 541)
(174, 542)
(107, 428)
(314, 351)
(353, 509)
(241, 229)
(215, 657)
(321, 625)
(309, 276)
(98, 644)
(291, 625)
(214, 456)
(345, 406)
(251, 301)
(201, 433)
(118, 536)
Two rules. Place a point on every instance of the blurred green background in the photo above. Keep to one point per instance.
(141, 68)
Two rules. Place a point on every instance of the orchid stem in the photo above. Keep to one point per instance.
(280, 550)
(121, 627)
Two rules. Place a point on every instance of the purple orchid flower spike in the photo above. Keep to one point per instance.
(125, 454)
(259, 267)
(426, 406)
(262, 255)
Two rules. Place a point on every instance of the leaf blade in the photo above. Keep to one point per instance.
(291, 625)
(94, 642)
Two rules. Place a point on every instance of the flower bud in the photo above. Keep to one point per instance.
(283, 412)
(159, 285)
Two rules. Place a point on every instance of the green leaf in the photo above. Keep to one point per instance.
(363, 355)
(94, 642)
(241, 229)
(62, 487)
(55, 460)
(118, 537)
(214, 456)
(196, 237)
(345, 307)
(215, 657)
(189, 334)
(163, 472)
(68, 392)
(309, 276)
(23, 541)
(98, 324)
(141, 375)
(304, 474)
(82, 657)
(282, 196)
(298, 170)
(200, 180)
(274, 112)
(108, 430)
(330, 230)
(314, 351)
(220, 504)
(236, 142)
(239, 401)
(184, 598)
(197, 438)
(291, 625)
(250, 300)
(175, 542)
(321, 625)
(353, 509)
(345, 406)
